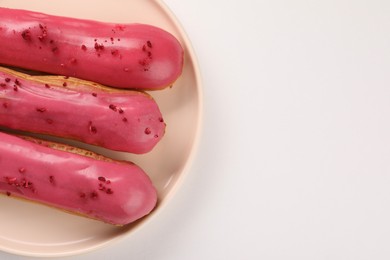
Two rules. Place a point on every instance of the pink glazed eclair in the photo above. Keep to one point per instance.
(74, 180)
(121, 120)
(118, 55)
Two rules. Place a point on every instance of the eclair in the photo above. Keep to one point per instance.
(74, 180)
(132, 55)
(116, 119)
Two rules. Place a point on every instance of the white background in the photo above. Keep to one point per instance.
(294, 157)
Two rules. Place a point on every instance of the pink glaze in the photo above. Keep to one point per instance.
(124, 120)
(118, 55)
(114, 192)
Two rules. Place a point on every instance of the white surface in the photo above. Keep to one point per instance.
(294, 159)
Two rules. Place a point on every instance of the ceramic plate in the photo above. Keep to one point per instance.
(36, 230)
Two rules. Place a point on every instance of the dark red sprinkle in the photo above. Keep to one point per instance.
(155, 136)
(82, 195)
(143, 62)
(99, 46)
(51, 41)
(109, 191)
(43, 35)
(120, 110)
(149, 44)
(93, 195)
(112, 39)
(54, 49)
(3, 85)
(64, 84)
(41, 109)
(148, 131)
(26, 35)
(101, 178)
(92, 128)
(94, 94)
(114, 52)
(83, 47)
(22, 170)
(26, 184)
(7, 79)
(124, 119)
(51, 179)
(47, 86)
(120, 27)
(5, 105)
(8, 193)
(144, 47)
(49, 121)
(17, 82)
(112, 107)
(44, 32)
(108, 181)
(15, 88)
(161, 119)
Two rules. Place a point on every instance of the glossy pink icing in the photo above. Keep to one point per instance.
(114, 192)
(128, 121)
(119, 55)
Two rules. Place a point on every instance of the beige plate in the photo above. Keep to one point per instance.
(36, 230)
